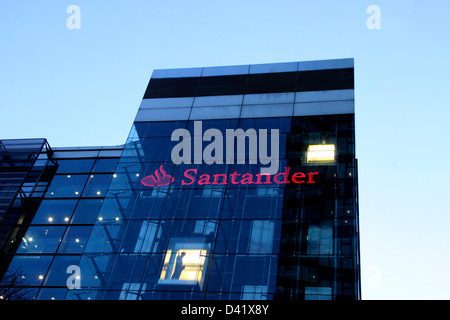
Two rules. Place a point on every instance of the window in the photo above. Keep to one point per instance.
(97, 184)
(185, 262)
(320, 153)
(261, 240)
(320, 239)
(54, 212)
(86, 211)
(251, 292)
(146, 235)
(75, 239)
(31, 269)
(318, 293)
(132, 291)
(105, 165)
(41, 239)
(75, 165)
(69, 185)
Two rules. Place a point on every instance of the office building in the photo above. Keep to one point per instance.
(236, 182)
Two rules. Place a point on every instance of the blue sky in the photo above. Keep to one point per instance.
(82, 87)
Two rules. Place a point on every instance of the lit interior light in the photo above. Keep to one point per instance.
(77, 240)
(320, 153)
(66, 219)
(92, 175)
(98, 192)
(50, 219)
(30, 239)
(76, 192)
(192, 260)
(41, 277)
(100, 219)
(117, 218)
(68, 176)
(137, 174)
(52, 193)
(114, 175)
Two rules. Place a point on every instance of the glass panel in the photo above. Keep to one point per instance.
(54, 212)
(261, 240)
(318, 293)
(97, 185)
(105, 237)
(66, 186)
(41, 239)
(254, 270)
(30, 269)
(57, 274)
(52, 294)
(250, 292)
(75, 239)
(105, 165)
(87, 211)
(132, 291)
(146, 236)
(75, 165)
(320, 239)
(185, 262)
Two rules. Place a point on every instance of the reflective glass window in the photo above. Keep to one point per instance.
(255, 270)
(70, 185)
(52, 294)
(283, 124)
(262, 236)
(75, 239)
(97, 184)
(54, 211)
(44, 239)
(145, 241)
(318, 293)
(320, 239)
(163, 128)
(75, 165)
(105, 237)
(221, 125)
(86, 211)
(105, 165)
(58, 271)
(30, 269)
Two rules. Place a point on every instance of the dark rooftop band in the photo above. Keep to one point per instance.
(316, 80)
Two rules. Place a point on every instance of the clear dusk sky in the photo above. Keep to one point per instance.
(81, 85)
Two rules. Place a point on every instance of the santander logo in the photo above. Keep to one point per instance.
(229, 149)
(190, 177)
(161, 178)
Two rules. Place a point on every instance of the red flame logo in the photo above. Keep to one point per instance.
(162, 178)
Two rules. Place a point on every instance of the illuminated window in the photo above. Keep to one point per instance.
(320, 153)
(186, 265)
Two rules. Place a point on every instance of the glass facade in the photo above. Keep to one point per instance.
(54, 222)
(235, 183)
